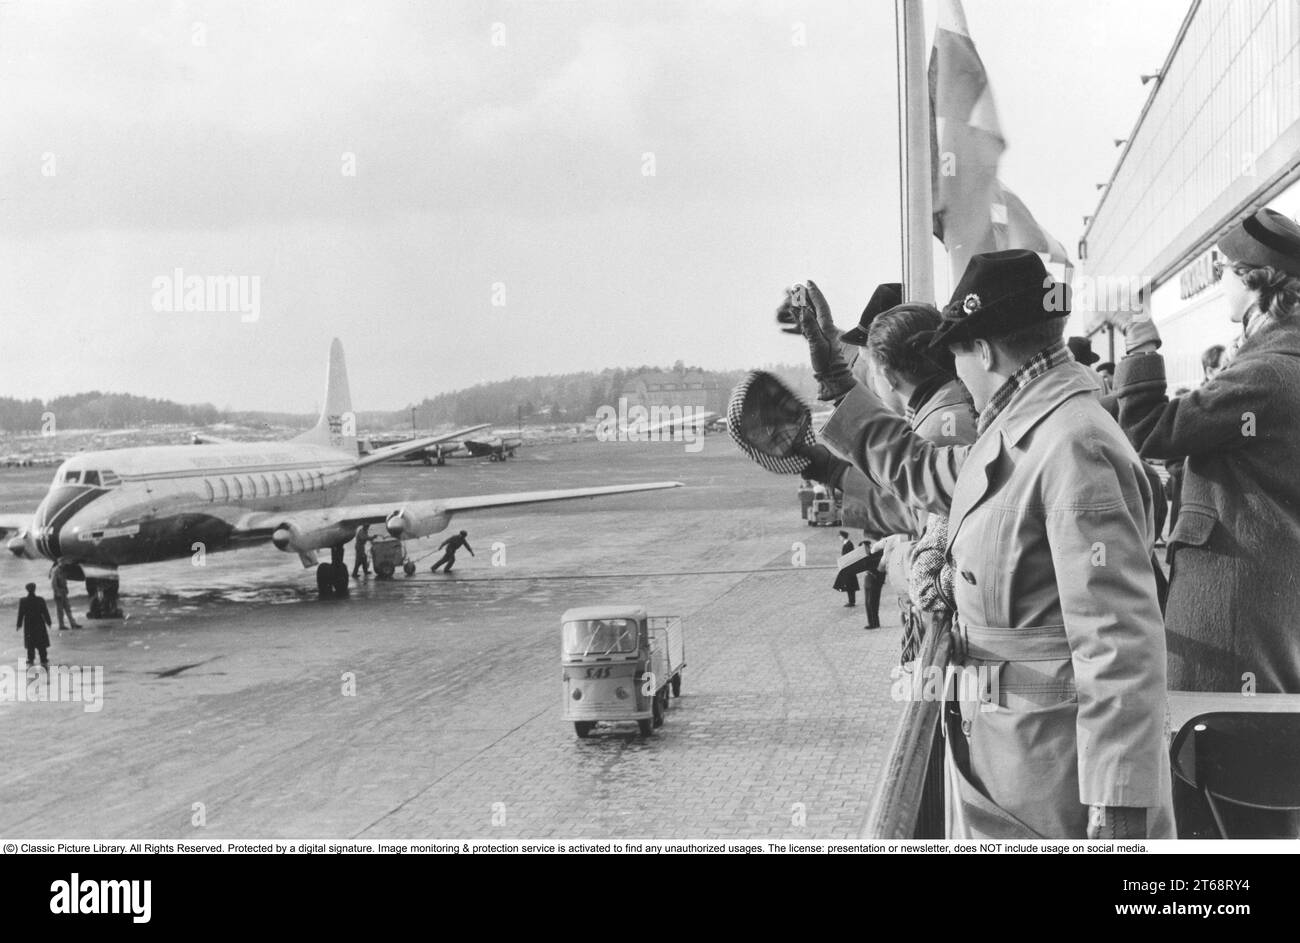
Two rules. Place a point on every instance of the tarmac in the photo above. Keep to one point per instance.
(236, 705)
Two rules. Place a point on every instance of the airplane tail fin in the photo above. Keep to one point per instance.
(337, 426)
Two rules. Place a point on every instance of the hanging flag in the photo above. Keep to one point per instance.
(1014, 227)
(973, 210)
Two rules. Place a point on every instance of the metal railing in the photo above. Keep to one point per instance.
(909, 802)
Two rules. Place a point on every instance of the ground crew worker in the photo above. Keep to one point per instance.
(846, 581)
(872, 582)
(362, 562)
(452, 543)
(1050, 532)
(59, 589)
(33, 619)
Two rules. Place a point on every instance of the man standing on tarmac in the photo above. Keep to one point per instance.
(1050, 532)
(361, 564)
(452, 544)
(59, 589)
(34, 619)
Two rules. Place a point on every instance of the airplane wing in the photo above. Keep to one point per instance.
(391, 452)
(420, 518)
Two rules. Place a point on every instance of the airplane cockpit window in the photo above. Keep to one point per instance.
(72, 477)
(90, 478)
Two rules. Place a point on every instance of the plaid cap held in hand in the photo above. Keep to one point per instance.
(768, 420)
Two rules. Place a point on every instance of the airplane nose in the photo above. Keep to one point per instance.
(53, 514)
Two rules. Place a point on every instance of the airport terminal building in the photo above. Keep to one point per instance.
(1219, 137)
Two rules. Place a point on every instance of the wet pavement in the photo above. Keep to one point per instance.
(235, 704)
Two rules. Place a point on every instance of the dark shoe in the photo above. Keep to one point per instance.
(850, 605)
(870, 627)
(76, 625)
(63, 628)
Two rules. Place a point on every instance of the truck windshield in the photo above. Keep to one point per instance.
(600, 637)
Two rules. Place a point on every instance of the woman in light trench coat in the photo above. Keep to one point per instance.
(1050, 533)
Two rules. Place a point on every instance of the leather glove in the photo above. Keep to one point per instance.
(1116, 821)
(825, 351)
(823, 465)
(1141, 335)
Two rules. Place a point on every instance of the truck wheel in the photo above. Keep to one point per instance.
(384, 570)
(657, 710)
(645, 726)
(408, 568)
(342, 579)
(324, 580)
(583, 728)
(677, 684)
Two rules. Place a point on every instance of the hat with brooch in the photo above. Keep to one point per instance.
(1001, 292)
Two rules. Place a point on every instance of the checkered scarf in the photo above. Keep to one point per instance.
(1030, 370)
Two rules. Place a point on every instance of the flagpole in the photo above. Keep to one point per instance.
(914, 153)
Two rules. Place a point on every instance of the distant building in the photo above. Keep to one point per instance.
(694, 388)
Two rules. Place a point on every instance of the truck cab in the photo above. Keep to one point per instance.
(617, 665)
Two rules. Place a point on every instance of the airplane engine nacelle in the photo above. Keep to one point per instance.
(293, 539)
(23, 546)
(406, 525)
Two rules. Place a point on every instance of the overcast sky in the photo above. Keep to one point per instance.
(388, 170)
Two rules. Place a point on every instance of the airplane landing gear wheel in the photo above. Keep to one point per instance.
(342, 578)
(583, 728)
(408, 568)
(324, 580)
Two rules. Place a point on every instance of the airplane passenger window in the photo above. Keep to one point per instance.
(90, 478)
(109, 479)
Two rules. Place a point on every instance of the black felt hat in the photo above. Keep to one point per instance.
(998, 293)
(886, 296)
(1265, 238)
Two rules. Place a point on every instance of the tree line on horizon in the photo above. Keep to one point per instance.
(557, 398)
(562, 398)
(97, 410)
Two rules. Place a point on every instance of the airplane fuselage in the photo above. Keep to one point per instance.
(130, 506)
